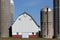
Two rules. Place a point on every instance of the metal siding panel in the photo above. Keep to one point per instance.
(59, 16)
(56, 17)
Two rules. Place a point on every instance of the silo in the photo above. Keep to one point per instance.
(11, 12)
(11, 15)
(46, 23)
(4, 18)
(56, 8)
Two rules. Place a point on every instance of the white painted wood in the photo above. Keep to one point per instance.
(25, 25)
(14, 33)
(25, 35)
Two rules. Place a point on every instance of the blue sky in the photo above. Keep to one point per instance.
(32, 7)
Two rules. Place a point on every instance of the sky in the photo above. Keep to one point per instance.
(32, 7)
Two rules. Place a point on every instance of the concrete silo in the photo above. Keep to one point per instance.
(4, 18)
(11, 12)
(11, 16)
(46, 23)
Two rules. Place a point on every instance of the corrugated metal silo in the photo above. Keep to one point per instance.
(56, 9)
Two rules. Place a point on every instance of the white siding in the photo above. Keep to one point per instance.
(24, 23)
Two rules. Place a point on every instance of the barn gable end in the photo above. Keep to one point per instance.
(24, 25)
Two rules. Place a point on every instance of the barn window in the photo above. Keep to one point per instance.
(17, 33)
(33, 33)
(19, 18)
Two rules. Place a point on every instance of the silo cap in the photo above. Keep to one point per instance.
(12, 2)
(45, 9)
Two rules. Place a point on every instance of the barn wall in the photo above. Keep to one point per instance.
(30, 35)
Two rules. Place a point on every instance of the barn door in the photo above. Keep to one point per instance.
(25, 35)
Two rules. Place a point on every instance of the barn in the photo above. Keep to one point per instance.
(25, 27)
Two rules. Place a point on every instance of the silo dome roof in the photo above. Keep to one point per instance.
(12, 2)
(45, 9)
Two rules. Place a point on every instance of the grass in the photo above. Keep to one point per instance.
(27, 39)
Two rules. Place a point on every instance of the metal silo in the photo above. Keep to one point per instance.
(4, 18)
(56, 9)
(46, 23)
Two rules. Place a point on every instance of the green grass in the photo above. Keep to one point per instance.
(26, 39)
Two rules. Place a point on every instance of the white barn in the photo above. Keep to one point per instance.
(25, 27)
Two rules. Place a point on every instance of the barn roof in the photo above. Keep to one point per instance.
(30, 16)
